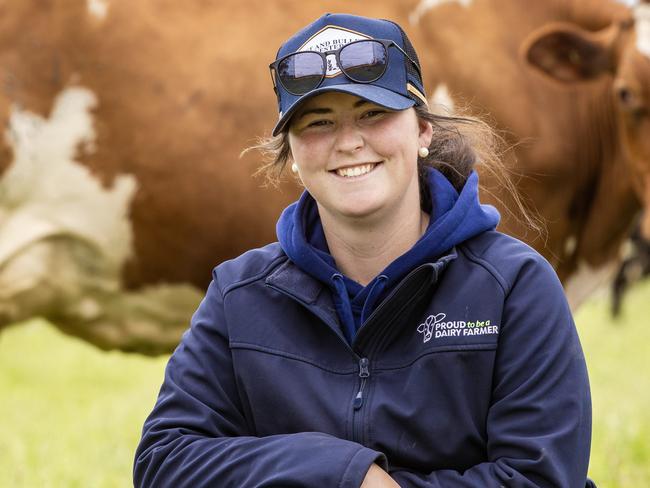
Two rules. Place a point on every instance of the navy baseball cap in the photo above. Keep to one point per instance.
(399, 88)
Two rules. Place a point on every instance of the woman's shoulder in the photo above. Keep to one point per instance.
(250, 266)
(506, 257)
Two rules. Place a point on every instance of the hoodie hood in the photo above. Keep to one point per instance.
(454, 218)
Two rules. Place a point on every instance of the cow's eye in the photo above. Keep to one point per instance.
(624, 95)
(628, 99)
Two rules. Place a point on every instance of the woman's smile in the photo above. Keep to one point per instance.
(355, 171)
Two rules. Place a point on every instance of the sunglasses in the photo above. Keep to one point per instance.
(361, 61)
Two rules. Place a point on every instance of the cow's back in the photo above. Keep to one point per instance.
(180, 89)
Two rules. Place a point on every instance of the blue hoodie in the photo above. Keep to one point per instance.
(454, 218)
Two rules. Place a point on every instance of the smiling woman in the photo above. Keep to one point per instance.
(391, 337)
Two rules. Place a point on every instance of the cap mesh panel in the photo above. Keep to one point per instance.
(410, 50)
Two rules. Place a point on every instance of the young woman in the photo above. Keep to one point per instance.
(391, 337)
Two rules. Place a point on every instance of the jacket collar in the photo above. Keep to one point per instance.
(292, 280)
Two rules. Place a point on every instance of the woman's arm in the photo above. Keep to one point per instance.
(539, 421)
(198, 436)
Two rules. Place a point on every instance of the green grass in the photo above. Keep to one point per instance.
(70, 415)
(618, 356)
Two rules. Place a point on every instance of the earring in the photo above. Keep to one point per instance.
(294, 167)
(423, 152)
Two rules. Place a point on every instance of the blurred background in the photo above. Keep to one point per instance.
(122, 185)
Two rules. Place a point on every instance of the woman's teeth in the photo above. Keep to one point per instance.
(351, 171)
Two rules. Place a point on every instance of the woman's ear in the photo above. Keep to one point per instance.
(292, 166)
(426, 132)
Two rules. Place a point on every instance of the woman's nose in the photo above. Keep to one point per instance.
(349, 138)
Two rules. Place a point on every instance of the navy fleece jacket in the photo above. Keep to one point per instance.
(468, 373)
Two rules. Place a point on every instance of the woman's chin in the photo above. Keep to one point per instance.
(361, 210)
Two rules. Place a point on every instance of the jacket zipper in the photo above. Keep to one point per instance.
(357, 403)
(362, 362)
(364, 374)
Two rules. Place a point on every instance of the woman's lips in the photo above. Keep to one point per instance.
(356, 170)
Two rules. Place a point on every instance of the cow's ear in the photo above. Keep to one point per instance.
(568, 53)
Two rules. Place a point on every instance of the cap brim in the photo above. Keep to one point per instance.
(372, 93)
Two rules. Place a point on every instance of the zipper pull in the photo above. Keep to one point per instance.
(363, 368)
(364, 374)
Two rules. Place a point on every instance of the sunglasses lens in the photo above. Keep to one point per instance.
(364, 61)
(301, 72)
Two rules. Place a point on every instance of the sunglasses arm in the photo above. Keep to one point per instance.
(408, 57)
(272, 72)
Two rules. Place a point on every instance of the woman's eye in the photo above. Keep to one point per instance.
(318, 123)
(373, 113)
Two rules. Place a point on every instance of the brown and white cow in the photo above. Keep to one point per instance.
(121, 184)
(120, 181)
(568, 83)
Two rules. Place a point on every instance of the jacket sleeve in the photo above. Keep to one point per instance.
(539, 421)
(197, 436)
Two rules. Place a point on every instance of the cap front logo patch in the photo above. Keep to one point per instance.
(331, 39)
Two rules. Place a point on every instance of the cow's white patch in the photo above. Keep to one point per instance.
(330, 38)
(48, 197)
(46, 183)
(425, 5)
(588, 280)
(642, 15)
(441, 101)
(64, 239)
(97, 8)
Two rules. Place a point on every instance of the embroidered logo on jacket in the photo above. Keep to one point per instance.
(435, 326)
(427, 328)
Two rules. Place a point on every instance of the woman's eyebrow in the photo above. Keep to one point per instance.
(325, 110)
(315, 111)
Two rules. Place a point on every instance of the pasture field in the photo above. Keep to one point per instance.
(70, 415)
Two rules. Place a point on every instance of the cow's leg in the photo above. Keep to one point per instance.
(587, 280)
(148, 321)
(69, 281)
(635, 267)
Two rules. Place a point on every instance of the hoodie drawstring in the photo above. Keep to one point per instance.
(343, 307)
(374, 293)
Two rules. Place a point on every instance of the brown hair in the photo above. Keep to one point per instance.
(458, 144)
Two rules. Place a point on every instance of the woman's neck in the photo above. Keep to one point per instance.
(362, 249)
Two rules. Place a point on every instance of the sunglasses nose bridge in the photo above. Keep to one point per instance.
(331, 64)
